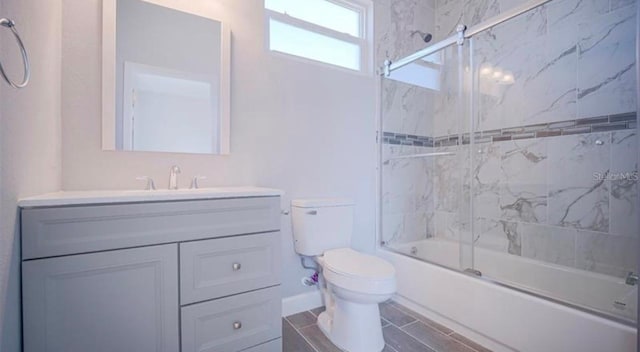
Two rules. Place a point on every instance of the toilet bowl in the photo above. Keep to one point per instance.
(353, 283)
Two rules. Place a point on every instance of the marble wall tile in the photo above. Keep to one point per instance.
(417, 226)
(539, 47)
(477, 11)
(508, 36)
(392, 226)
(616, 4)
(406, 108)
(486, 180)
(499, 235)
(417, 111)
(425, 188)
(448, 15)
(390, 150)
(391, 105)
(404, 16)
(451, 225)
(452, 179)
(448, 180)
(451, 103)
(565, 16)
(509, 4)
(431, 224)
(550, 244)
(523, 180)
(578, 196)
(407, 195)
(543, 90)
(624, 184)
(606, 64)
(399, 185)
(401, 228)
(606, 254)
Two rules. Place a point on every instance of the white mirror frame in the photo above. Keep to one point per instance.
(109, 78)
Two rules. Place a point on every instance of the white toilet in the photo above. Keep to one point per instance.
(353, 283)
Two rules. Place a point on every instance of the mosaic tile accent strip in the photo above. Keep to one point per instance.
(407, 139)
(553, 129)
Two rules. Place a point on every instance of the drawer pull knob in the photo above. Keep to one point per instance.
(237, 325)
(236, 266)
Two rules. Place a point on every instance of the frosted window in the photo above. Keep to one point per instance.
(321, 12)
(300, 42)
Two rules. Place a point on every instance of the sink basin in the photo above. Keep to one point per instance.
(132, 196)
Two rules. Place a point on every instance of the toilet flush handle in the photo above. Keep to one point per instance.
(312, 212)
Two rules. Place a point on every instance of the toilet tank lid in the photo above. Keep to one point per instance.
(321, 202)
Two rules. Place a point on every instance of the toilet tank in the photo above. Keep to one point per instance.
(321, 224)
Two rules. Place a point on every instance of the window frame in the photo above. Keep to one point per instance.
(364, 41)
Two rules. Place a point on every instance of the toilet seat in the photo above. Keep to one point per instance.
(358, 272)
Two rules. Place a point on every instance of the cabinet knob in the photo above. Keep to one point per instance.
(237, 325)
(236, 266)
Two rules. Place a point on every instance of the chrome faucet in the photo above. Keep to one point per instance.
(173, 177)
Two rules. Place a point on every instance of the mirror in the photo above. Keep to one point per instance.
(165, 79)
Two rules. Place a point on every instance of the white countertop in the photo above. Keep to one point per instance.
(132, 196)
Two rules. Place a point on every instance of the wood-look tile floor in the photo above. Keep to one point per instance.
(404, 331)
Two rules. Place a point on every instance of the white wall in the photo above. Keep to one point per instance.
(29, 140)
(301, 127)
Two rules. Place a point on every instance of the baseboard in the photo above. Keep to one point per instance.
(302, 302)
(457, 327)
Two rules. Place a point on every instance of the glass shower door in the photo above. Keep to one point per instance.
(424, 192)
(554, 169)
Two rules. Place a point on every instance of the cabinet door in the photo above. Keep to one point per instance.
(124, 300)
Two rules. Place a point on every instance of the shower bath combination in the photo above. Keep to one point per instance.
(472, 169)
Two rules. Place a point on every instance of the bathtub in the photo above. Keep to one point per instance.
(505, 319)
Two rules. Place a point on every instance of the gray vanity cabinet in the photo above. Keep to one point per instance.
(200, 275)
(123, 300)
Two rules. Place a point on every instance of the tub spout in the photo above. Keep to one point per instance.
(632, 279)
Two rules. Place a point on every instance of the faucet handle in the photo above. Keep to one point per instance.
(194, 181)
(151, 186)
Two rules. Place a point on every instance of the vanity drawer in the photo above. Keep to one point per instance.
(55, 231)
(271, 346)
(226, 266)
(232, 324)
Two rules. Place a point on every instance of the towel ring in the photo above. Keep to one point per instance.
(5, 22)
